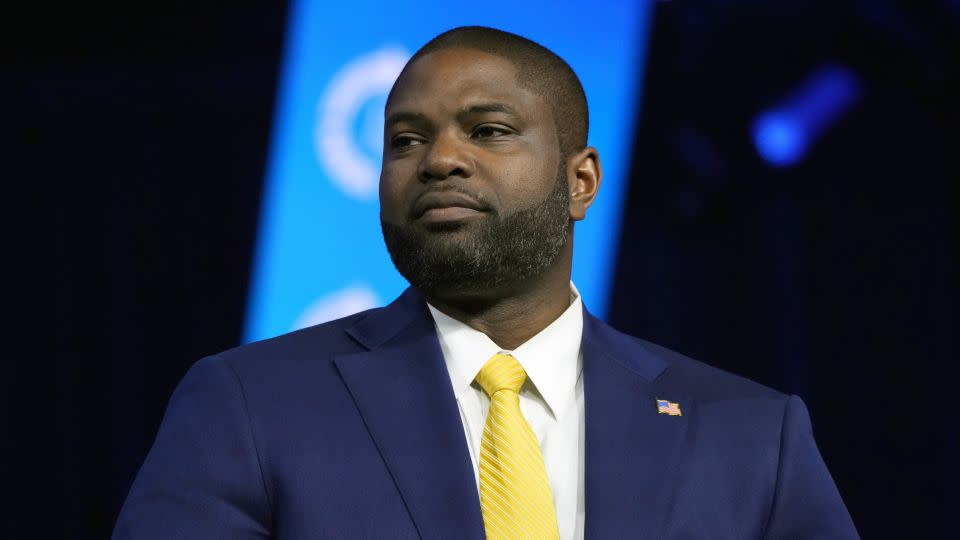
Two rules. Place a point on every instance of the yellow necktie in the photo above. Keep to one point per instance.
(514, 491)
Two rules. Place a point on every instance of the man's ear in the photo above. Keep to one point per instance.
(583, 179)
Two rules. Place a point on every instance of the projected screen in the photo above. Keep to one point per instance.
(320, 254)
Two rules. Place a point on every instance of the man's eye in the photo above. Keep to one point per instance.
(487, 132)
(404, 141)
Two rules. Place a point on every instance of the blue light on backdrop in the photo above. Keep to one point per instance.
(783, 134)
(319, 251)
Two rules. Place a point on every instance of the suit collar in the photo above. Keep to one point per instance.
(382, 324)
(630, 353)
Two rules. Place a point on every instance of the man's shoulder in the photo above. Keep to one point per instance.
(709, 382)
(295, 350)
(696, 378)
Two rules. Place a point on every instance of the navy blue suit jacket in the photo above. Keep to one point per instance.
(350, 429)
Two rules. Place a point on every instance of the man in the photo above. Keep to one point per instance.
(485, 400)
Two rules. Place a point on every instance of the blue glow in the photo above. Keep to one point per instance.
(320, 254)
(783, 135)
(779, 139)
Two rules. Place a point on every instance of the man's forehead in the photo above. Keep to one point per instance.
(458, 79)
(463, 75)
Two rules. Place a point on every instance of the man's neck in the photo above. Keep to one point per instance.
(512, 315)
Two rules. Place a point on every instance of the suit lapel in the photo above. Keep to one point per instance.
(403, 392)
(633, 453)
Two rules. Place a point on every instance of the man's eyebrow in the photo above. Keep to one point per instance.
(404, 116)
(481, 108)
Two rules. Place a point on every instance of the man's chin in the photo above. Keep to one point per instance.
(451, 285)
(445, 227)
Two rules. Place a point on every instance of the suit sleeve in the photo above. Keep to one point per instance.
(806, 502)
(202, 478)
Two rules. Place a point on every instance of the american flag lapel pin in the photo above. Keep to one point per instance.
(665, 407)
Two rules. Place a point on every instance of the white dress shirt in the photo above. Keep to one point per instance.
(551, 399)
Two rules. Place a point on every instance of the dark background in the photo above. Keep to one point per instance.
(135, 144)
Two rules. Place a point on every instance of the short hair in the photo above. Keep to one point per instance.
(539, 70)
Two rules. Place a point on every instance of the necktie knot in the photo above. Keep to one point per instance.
(502, 372)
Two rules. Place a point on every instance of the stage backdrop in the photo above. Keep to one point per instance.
(319, 252)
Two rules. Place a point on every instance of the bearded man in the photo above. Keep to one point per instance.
(485, 401)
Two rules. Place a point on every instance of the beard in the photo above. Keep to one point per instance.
(497, 251)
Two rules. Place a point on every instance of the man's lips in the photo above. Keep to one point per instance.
(437, 206)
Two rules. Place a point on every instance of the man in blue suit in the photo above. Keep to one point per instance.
(385, 424)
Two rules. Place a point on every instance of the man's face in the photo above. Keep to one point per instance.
(473, 191)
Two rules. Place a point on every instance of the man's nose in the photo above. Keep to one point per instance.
(448, 155)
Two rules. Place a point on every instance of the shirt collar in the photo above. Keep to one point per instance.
(551, 358)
